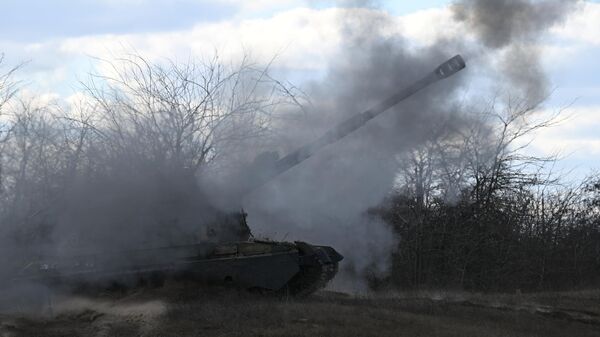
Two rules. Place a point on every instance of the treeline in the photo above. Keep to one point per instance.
(507, 242)
(474, 212)
(471, 208)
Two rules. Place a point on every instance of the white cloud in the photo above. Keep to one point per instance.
(262, 5)
(304, 38)
(428, 26)
(576, 136)
(583, 25)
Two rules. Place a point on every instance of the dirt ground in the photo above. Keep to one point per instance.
(184, 310)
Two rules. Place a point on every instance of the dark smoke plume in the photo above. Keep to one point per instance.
(514, 28)
(501, 23)
(326, 198)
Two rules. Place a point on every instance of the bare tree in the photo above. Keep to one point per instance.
(8, 86)
(184, 114)
(129, 151)
(470, 189)
(498, 146)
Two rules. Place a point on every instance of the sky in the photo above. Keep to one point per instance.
(59, 39)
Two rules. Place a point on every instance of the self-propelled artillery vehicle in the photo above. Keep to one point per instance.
(236, 258)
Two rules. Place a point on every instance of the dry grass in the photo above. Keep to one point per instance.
(184, 310)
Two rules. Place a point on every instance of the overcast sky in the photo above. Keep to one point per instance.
(57, 38)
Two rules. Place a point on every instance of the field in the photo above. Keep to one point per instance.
(184, 310)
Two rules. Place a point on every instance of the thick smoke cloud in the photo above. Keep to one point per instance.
(148, 206)
(501, 23)
(514, 28)
(325, 199)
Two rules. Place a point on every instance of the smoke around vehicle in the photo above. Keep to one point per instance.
(132, 185)
(326, 199)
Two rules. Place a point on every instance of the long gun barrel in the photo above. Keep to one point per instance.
(280, 166)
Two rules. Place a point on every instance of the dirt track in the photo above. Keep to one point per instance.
(188, 311)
